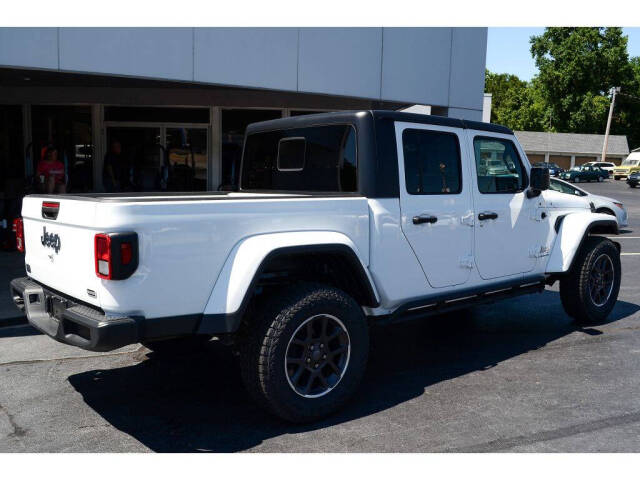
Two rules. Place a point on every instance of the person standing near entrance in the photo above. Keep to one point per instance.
(50, 172)
(115, 174)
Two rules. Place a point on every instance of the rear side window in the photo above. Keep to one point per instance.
(431, 162)
(498, 166)
(313, 159)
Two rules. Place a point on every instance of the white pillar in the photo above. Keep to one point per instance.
(573, 161)
(546, 157)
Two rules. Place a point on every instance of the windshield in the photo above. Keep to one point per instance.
(631, 162)
(563, 187)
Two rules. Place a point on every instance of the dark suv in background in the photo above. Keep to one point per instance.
(554, 170)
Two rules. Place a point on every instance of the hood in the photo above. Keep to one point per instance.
(604, 199)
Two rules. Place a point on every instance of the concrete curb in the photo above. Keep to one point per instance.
(12, 321)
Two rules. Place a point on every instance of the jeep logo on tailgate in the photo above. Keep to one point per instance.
(50, 239)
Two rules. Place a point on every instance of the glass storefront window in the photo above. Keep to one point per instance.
(68, 128)
(234, 124)
(134, 161)
(187, 152)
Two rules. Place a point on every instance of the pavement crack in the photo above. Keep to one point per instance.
(502, 444)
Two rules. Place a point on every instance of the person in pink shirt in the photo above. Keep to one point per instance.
(50, 172)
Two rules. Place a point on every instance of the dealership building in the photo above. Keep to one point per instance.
(182, 97)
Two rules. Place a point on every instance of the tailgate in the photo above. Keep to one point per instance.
(60, 248)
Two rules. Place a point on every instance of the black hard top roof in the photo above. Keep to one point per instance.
(353, 116)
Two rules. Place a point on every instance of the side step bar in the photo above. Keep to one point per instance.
(439, 305)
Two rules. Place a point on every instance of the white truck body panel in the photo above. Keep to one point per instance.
(183, 244)
(569, 237)
(246, 257)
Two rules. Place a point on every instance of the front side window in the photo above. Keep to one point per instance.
(431, 162)
(498, 166)
(311, 159)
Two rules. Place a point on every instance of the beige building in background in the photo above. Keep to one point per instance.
(570, 149)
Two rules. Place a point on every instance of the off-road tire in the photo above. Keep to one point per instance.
(264, 346)
(177, 346)
(574, 288)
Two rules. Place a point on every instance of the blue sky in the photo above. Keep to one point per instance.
(508, 49)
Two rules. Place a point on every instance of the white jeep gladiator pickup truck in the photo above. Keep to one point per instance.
(340, 220)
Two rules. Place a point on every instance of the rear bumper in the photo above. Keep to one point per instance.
(69, 322)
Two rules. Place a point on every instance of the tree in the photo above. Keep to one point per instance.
(577, 67)
(515, 103)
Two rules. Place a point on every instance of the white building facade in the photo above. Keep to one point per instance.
(179, 96)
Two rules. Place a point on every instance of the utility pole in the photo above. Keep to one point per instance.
(614, 90)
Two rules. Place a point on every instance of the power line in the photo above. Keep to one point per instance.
(628, 95)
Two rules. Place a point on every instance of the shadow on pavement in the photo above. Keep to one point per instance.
(197, 402)
(22, 330)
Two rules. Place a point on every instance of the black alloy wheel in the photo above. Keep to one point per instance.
(317, 356)
(601, 280)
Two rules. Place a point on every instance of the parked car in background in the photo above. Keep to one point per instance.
(633, 180)
(629, 165)
(606, 166)
(601, 204)
(584, 173)
(554, 170)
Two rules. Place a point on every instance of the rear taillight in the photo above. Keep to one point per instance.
(116, 255)
(18, 229)
(103, 256)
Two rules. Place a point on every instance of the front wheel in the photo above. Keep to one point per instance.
(600, 179)
(576, 180)
(305, 358)
(590, 289)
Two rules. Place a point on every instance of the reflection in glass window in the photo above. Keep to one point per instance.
(187, 152)
(498, 166)
(431, 162)
(234, 124)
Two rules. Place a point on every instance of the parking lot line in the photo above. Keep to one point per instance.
(629, 253)
(620, 236)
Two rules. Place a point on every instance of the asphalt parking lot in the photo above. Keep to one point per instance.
(515, 376)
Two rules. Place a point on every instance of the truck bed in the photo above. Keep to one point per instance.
(184, 241)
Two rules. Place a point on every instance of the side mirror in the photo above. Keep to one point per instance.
(539, 181)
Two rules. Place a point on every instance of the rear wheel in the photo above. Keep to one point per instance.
(305, 358)
(590, 290)
(576, 180)
(601, 179)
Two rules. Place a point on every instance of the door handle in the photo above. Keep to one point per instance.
(487, 216)
(418, 219)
